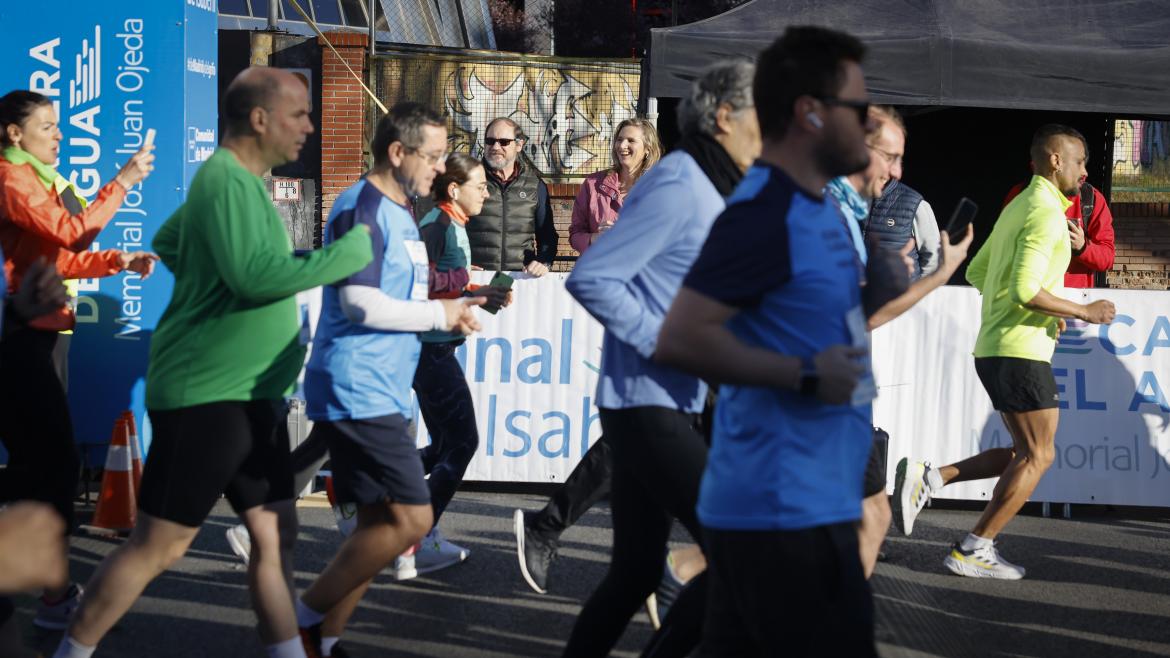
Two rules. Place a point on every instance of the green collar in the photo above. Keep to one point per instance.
(48, 175)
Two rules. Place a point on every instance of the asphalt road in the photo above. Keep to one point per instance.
(1097, 585)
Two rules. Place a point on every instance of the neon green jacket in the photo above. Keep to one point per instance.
(1028, 250)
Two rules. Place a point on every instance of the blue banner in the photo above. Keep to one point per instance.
(115, 69)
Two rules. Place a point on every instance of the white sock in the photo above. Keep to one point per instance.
(934, 479)
(972, 542)
(306, 616)
(327, 645)
(70, 648)
(290, 648)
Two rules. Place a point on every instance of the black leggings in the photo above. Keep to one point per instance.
(445, 403)
(658, 462)
(35, 425)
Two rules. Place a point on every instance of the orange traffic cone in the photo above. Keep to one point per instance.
(116, 509)
(135, 451)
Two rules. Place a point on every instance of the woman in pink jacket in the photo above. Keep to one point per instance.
(635, 149)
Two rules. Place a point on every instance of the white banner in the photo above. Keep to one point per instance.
(1113, 442)
(533, 373)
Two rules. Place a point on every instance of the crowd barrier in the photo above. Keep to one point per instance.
(533, 371)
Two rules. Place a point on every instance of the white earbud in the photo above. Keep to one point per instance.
(814, 120)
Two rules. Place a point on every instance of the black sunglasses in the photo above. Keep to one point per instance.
(861, 107)
(502, 141)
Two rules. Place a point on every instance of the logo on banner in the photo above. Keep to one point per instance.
(205, 5)
(201, 67)
(200, 143)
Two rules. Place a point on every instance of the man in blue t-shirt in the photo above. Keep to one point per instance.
(773, 309)
(364, 356)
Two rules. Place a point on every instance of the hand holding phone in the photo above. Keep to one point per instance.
(961, 218)
(502, 281)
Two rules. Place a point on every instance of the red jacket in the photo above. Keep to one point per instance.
(34, 223)
(1097, 256)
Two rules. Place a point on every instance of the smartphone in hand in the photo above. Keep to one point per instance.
(499, 280)
(961, 218)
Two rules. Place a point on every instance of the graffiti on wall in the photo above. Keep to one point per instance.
(568, 113)
(1138, 146)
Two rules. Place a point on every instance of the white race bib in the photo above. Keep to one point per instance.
(417, 251)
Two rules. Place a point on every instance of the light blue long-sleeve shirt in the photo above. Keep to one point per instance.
(629, 277)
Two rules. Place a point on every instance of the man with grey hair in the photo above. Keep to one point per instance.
(515, 230)
(648, 412)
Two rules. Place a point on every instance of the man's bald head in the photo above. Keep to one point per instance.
(1054, 139)
(257, 86)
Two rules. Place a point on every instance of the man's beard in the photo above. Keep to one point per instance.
(834, 159)
(497, 167)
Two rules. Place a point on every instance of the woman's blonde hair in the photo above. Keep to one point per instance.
(649, 137)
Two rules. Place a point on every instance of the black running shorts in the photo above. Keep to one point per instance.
(237, 449)
(875, 468)
(1018, 385)
(375, 460)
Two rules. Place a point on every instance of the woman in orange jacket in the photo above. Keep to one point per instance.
(43, 218)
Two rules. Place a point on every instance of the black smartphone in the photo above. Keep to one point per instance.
(961, 218)
(499, 280)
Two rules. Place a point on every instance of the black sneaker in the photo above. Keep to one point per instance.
(338, 652)
(536, 554)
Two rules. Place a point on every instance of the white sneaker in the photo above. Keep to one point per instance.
(911, 493)
(435, 552)
(983, 562)
(404, 565)
(55, 616)
(346, 516)
(240, 541)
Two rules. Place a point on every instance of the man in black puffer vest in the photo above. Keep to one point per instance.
(515, 230)
(901, 214)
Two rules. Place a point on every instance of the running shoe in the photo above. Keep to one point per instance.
(911, 493)
(346, 516)
(55, 616)
(240, 542)
(344, 513)
(436, 552)
(404, 565)
(983, 562)
(535, 553)
(658, 604)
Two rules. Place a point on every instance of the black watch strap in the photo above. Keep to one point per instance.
(809, 379)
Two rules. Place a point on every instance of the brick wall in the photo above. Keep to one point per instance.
(1143, 246)
(343, 157)
(562, 196)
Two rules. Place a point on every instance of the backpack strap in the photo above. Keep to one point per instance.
(1088, 195)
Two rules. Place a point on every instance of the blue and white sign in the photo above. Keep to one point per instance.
(1113, 441)
(113, 70)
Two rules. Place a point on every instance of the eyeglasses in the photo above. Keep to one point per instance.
(502, 141)
(861, 107)
(430, 158)
(891, 158)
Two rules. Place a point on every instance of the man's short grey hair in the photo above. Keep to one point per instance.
(726, 82)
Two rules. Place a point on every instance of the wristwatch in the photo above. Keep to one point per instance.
(809, 379)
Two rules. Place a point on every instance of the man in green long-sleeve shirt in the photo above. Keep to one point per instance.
(227, 349)
(1020, 273)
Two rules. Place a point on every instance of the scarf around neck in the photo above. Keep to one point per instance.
(49, 177)
(714, 160)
